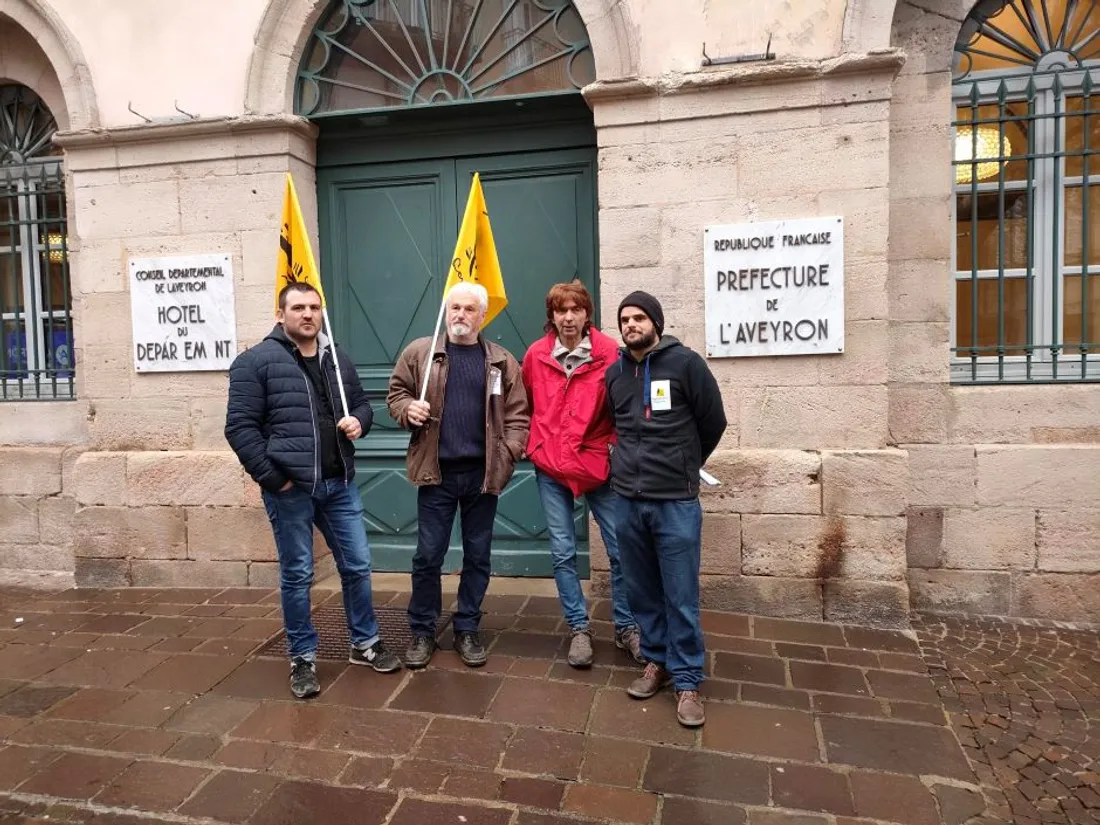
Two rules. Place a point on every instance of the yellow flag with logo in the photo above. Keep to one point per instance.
(295, 263)
(475, 259)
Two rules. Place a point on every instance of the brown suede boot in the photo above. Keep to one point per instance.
(630, 640)
(653, 678)
(689, 709)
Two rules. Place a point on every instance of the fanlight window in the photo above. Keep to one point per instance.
(376, 54)
(1027, 210)
(1025, 35)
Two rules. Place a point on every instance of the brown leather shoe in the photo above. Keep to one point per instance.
(689, 709)
(653, 678)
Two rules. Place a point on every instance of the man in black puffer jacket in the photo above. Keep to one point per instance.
(284, 423)
(668, 417)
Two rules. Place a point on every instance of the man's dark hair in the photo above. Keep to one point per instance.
(295, 287)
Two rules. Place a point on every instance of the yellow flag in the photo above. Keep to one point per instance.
(475, 259)
(294, 263)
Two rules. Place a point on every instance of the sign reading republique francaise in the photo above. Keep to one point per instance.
(775, 288)
(182, 312)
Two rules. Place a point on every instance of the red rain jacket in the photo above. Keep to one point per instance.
(570, 417)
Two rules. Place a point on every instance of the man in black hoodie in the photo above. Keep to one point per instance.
(668, 418)
(285, 422)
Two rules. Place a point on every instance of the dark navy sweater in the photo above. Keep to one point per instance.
(462, 434)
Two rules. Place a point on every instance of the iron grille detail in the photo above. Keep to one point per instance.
(378, 54)
(1027, 250)
(37, 356)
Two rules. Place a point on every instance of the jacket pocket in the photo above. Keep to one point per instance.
(501, 465)
(685, 467)
(594, 460)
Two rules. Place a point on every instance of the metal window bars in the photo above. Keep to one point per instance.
(366, 55)
(37, 357)
(1027, 252)
(37, 360)
(1028, 237)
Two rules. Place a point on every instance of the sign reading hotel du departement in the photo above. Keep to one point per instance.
(183, 313)
(775, 288)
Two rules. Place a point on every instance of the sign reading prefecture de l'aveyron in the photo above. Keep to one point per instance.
(775, 288)
(183, 313)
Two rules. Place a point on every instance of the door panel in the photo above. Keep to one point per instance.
(543, 233)
(388, 232)
(541, 206)
(386, 243)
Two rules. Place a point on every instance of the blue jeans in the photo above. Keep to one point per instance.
(458, 490)
(660, 542)
(557, 504)
(337, 510)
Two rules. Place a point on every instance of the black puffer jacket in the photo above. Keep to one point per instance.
(668, 417)
(270, 421)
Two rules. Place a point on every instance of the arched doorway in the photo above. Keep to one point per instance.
(412, 97)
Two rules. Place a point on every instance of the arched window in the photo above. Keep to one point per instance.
(1027, 199)
(378, 54)
(36, 359)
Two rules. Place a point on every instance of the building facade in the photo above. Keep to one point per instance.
(947, 458)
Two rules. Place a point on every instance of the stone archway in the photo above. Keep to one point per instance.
(286, 26)
(867, 25)
(63, 51)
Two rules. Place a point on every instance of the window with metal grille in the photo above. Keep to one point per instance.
(36, 357)
(1027, 211)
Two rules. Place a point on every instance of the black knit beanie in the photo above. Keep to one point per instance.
(647, 304)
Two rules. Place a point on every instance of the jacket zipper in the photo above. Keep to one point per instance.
(332, 406)
(638, 437)
(316, 431)
(440, 380)
(490, 442)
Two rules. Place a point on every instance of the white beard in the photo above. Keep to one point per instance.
(460, 329)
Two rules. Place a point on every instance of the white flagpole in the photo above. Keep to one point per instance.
(335, 362)
(431, 352)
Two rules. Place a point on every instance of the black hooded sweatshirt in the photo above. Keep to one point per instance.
(668, 417)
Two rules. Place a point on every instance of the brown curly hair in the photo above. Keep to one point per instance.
(559, 294)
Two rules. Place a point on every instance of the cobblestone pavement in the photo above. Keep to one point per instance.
(1025, 703)
(143, 706)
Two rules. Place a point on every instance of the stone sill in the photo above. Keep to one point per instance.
(182, 129)
(881, 61)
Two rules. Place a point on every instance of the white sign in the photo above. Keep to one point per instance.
(775, 288)
(182, 312)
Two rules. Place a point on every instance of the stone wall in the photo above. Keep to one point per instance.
(152, 496)
(1008, 528)
(36, 543)
(810, 519)
(1003, 499)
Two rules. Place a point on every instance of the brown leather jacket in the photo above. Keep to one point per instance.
(506, 413)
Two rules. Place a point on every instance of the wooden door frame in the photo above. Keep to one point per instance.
(500, 127)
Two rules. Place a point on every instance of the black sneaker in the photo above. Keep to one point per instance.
(469, 648)
(303, 678)
(375, 656)
(420, 652)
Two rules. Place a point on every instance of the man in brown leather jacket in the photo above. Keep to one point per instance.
(467, 435)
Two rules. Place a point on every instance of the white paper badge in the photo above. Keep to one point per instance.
(494, 381)
(660, 395)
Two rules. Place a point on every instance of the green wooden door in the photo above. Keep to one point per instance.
(388, 231)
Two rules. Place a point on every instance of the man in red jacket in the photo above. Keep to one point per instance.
(569, 445)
